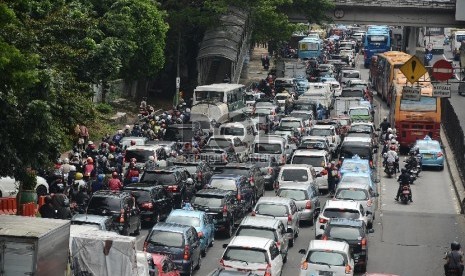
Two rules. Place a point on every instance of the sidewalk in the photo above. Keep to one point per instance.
(255, 71)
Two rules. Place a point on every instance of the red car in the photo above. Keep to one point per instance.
(161, 265)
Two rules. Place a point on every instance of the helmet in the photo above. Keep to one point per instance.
(168, 117)
(389, 130)
(112, 148)
(385, 119)
(90, 160)
(120, 131)
(157, 118)
(403, 170)
(189, 181)
(455, 246)
(393, 141)
(66, 160)
(392, 148)
(151, 158)
(90, 143)
(60, 188)
(59, 161)
(111, 156)
(76, 155)
(72, 168)
(78, 176)
(188, 110)
(114, 174)
(100, 177)
(127, 127)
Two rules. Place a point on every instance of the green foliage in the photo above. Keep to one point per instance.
(104, 108)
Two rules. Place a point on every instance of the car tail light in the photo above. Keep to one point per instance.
(145, 246)
(308, 205)
(322, 220)
(348, 269)
(278, 244)
(439, 154)
(121, 217)
(369, 203)
(147, 205)
(304, 266)
(173, 188)
(364, 244)
(289, 218)
(324, 237)
(225, 158)
(268, 270)
(371, 163)
(186, 253)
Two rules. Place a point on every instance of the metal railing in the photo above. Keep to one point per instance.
(447, 4)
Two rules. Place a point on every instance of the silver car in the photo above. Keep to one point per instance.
(283, 209)
(305, 197)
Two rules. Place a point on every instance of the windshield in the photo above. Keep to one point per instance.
(262, 111)
(235, 171)
(352, 93)
(222, 183)
(235, 131)
(281, 97)
(207, 200)
(341, 213)
(429, 146)
(360, 128)
(140, 155)
(168, 239)
(460, 38)
(291, 124)
(425, 104)
(321, 132)
(247, 255)
(298, 175)
(359, 112)
(357, 179)
(194, 222)
(268, 148)
(348, 151)
(350, 166)
(297, 195)
(344, 233)
(219, 142)
(256, 232)
(209, 96)
(326, 257)
(351, 75)
(162, 177)
(274, 210)
(308, 107)
(351, 194)
(140, 195)
(376, 38)
(178, 134)
(101, 205)
(312, 144)
(301, 115)
(315, 161)
(249, 97)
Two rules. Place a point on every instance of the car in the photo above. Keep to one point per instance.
(169, 146)
(264, 227)
(354, 232)
(283, 209)
(358, 177)
(361, 193)
(269, 168)
(301, 174)
(153, 201)
(319, 160)
(305, 197)
(328, 131)
(259, 255)
(250, 170)
(363, 129)
(304, 105)
(223, 206)
(238, 183)
(174, 179)
(294, 123)
(244, 130)
(221, 271)
(181, 243)
(355, 164)
(431, 153)
(162, 265)
(140, 153)
(199, 170)
(201, 221)
(327, 258)
(262, 122)
(316, 143)
(346, 75)
(338, 209)
(104, 223)
(308, 117)
(184, 133)
(118, 205)
(360, 146)
(9, 187)
(362, 113)
(273, 146)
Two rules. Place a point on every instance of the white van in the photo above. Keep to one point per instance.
(244, 130)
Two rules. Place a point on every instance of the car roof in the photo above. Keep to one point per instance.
(144, 147)
(171, 227)
(142, 186)
(227, 176)
(274, 199)
(361, 186)
(291, 119)
(357, 139)
(90, 218)
(324, 126)
(328, 245)
(214, 192)
(360, 174)
(346, 222)
(296, 166)
(187, 213)
(250, 242)
(264, 222)
(342, 204)
(305, 152)
(108, 193)
(295, 186)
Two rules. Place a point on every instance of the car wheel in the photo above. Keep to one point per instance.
(212, 242)
(199, 263)
(1, 194)
(137, 231)
(441, 168)
(297, 232)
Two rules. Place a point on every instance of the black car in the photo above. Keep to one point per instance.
(354, 232)
(184, 133)
(222, 205)
(121, 206)
(154, 201)
(269, 168)
(199, 170)
(175, 181)
(250, 170)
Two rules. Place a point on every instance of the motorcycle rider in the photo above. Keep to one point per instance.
(333, 177)
(387, 135)
(61, 203)
(404, 179)
(454, 260)
(150, 164)
(82, 198)
(391, 156)
(114, 184)
(47, 210)
(384, 125)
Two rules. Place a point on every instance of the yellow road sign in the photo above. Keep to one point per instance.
(413, 69)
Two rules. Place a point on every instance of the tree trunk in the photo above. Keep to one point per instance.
(105, 88)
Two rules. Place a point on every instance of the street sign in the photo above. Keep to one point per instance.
(413, 69)
(442, 70)
(441, 90)
(411, 93)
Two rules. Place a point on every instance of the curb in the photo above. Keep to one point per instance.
(457, 182)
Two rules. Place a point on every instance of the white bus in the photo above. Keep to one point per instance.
(218, 102)
(434, 39)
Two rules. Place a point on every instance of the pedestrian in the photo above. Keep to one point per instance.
(47, 210)
(83, 133)
(333, 177)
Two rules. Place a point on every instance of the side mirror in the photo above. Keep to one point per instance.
(302, 251)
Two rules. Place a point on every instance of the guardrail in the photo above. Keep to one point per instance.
(448, 4)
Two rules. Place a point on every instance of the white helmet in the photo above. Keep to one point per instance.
(391, 136)
(188, 110)
(157, 118)
(389, 130)
(189, 181)
(66, 160)
(151, 158)
(72, 168)
(393, 141)
(120, 131)
(168, 117)
(127, 127)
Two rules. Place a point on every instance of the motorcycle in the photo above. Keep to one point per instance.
(412, 167)
(405, 194)
(390, 169)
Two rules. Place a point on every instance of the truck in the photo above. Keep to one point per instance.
(33, 246)
(342, 105)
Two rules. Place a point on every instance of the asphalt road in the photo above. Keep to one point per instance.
(408, 239)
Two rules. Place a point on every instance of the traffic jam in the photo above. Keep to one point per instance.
(302, 150)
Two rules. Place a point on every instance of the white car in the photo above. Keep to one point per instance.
(257, 255)
(328, 131)
(338, 209)
(325, 257)
(294, 123)
(318, 159)
(296, 174)
(9, 186)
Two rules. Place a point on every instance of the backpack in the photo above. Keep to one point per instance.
(454, 260)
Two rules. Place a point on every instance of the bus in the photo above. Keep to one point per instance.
(377, 40)
(434, 39)
(414, 120)
(384, 72)
(219, 102)
(310, 47)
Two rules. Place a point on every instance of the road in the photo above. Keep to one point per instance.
(408, 239)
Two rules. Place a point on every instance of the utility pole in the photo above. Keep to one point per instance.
(178, 78)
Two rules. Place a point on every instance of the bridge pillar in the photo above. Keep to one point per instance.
(412, 39)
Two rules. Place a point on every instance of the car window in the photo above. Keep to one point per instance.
(331, 258)
(184, 220)
(100, 205)
(256, 232)
(165, 238)
(345, 233)
(292, 194)
(274, 251)
(341, 213)
(275, 210)
(248, 255)
(298, 175)
(351, 194)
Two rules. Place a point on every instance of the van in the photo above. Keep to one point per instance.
(244, 130)
(272, 146)
(346, 75)
(140, 153)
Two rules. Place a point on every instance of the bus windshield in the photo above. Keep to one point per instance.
(460, 38)
(424, 104)
(213, 96)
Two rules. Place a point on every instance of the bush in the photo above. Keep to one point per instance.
(104, 108)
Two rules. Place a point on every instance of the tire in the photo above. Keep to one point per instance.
(41, 190)
(1, 194)
(203, 253)
(285, 258)
(441, 168)
(212, 242)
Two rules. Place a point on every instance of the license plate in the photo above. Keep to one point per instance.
(427, 155)
(406, 192)
(326, 273)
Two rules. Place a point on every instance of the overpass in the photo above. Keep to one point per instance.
(412, 13)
